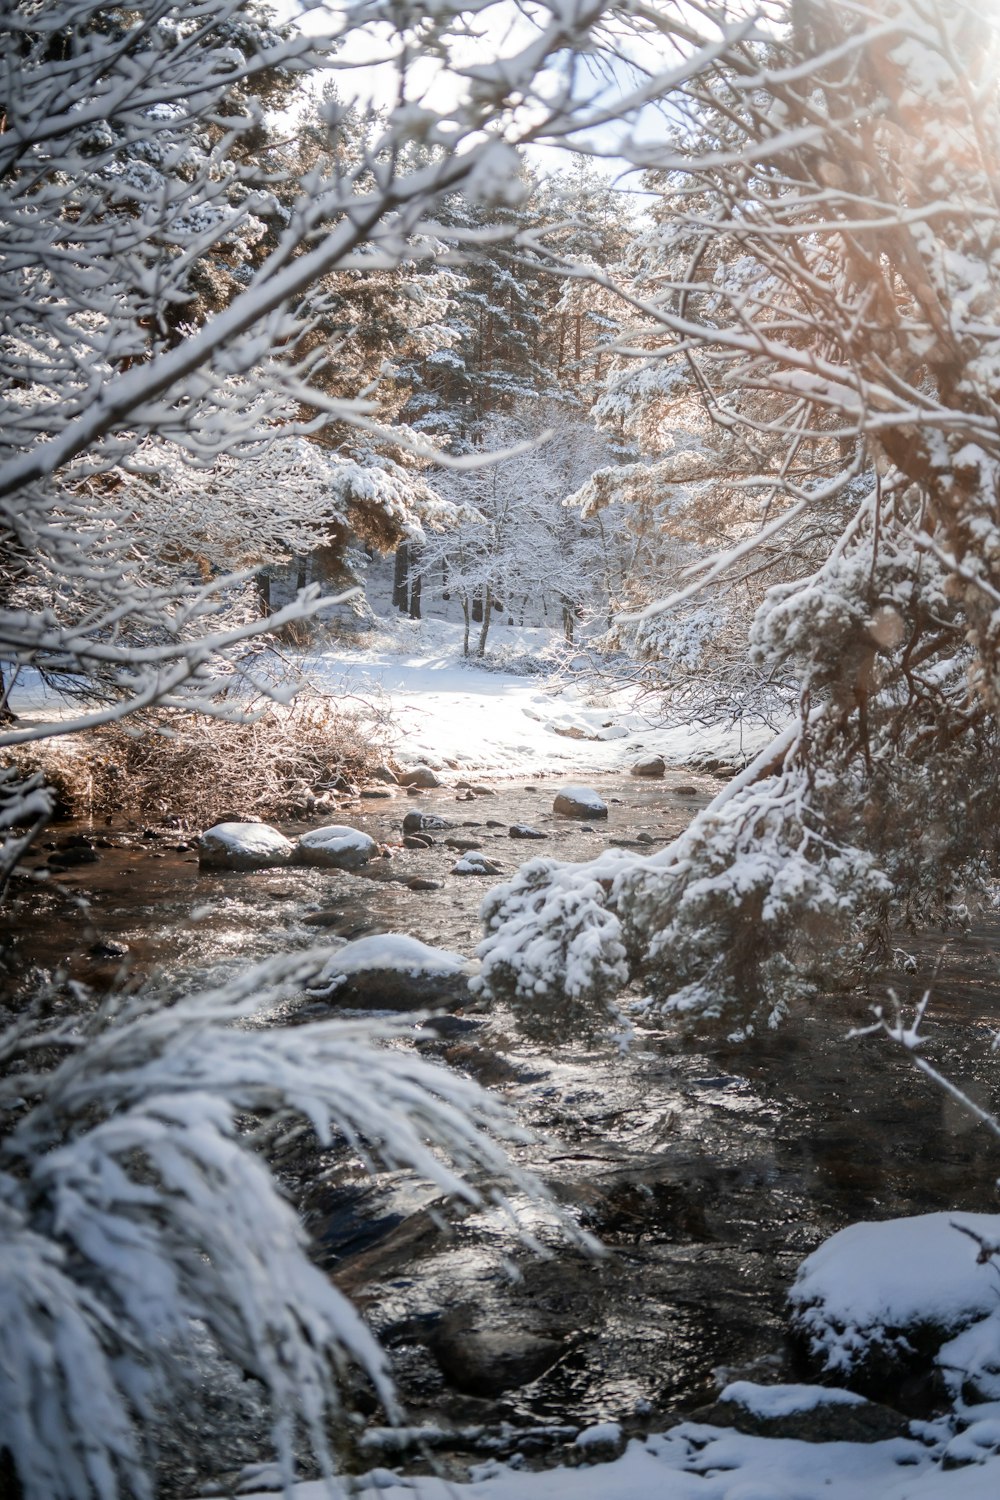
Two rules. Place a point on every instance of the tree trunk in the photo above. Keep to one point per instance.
(477, 606)
(465, 617)
(416, 583)
(263, 582)
(487, 617)
(401, 568)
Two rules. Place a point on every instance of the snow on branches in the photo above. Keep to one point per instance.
(821, 271)
(135, 1207)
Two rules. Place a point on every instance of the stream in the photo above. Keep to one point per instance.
(709, 1172)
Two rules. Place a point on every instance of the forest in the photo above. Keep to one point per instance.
(430, 432)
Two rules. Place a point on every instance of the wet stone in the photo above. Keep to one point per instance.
(476, 864)
(525, 831)
(488, 1361)
(66, 859)
(108, 948)
(329, 917)
(654, 766)
(421, 777)
(579, 802)
(418, 822)
(419, 883)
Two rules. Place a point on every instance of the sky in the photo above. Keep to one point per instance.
(366, 73)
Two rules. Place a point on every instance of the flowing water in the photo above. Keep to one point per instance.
(708, 1171)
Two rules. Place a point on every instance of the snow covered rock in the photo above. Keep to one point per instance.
(390, 971)
(421, 777)
(243, 846)
(336, 847)
(653, 766)
(525, 831)
(579, 802)
(805, 1413)
(970, 1363)
(876, 1302)
(474, 863)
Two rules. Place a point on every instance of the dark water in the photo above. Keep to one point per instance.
(708, 1172)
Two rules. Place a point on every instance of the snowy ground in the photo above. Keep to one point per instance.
(440, 708)
(448, 711)
(693, 1462)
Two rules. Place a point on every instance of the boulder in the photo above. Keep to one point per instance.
(653, 766)
(383, 773)
(876, 1303)
(418, 822)
(487, 1361)
(393, 972)
(525, 831)
(336, 847)
(579, 802)
(421, 777)
(243, 846)
(804, 1413)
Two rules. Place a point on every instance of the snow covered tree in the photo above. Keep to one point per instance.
(833, 178)
(157, 296)
(517, 549)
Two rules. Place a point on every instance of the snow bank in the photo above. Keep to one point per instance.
(444, 711)
(703, 1463)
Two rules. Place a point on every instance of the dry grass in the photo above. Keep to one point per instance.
(162, 765)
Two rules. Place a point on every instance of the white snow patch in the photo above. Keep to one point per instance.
(772, 1401)
(336, 836)
(601, 1432)
(392, 951)
(442, 708)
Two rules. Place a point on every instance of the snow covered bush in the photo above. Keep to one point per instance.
(553, 948)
